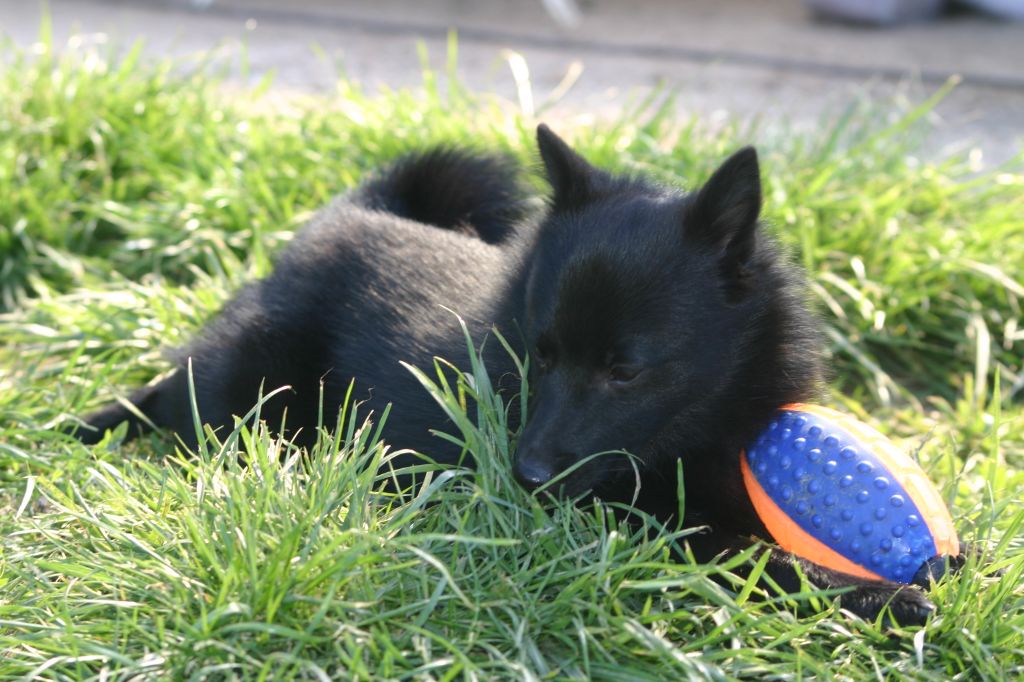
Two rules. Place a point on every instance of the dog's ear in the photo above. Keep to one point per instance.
(571, 177)
(724, 212)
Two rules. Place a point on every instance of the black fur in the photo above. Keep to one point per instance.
(661, 323)
(360, 288)
(477, 195)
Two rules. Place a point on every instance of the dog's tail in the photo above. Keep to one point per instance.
(475, 193)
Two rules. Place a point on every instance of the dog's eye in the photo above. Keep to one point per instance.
(623, 374)
(542, 356)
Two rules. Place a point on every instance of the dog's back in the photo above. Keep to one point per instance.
(370, 282)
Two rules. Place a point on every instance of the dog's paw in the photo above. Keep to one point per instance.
(903, 604)
(973, 551)
(938, 567)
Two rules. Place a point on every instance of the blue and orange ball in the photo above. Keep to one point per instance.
(833, 490)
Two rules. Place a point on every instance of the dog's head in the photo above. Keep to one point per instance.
(644, 310)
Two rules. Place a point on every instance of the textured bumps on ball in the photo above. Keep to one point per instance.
(845, 488)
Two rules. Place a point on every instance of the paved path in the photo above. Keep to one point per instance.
(749, 58)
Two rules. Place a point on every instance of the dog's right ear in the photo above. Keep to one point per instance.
(571, 177)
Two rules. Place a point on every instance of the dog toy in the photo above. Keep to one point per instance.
(835, 491)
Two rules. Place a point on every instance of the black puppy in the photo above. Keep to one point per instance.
(660, 323)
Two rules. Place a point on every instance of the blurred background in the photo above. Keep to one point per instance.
(789, 64)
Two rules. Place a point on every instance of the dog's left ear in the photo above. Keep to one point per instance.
(572, 178)
(724, 213)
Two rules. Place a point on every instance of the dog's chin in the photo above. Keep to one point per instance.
(584, 488)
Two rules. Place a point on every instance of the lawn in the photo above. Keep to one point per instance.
(136, 197)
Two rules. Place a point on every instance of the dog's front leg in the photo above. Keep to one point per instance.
(866, 598)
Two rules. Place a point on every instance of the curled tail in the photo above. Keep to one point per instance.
(475, 193)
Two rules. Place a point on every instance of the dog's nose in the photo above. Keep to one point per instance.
(531, 474)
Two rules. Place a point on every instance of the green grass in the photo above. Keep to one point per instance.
(136, 197)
